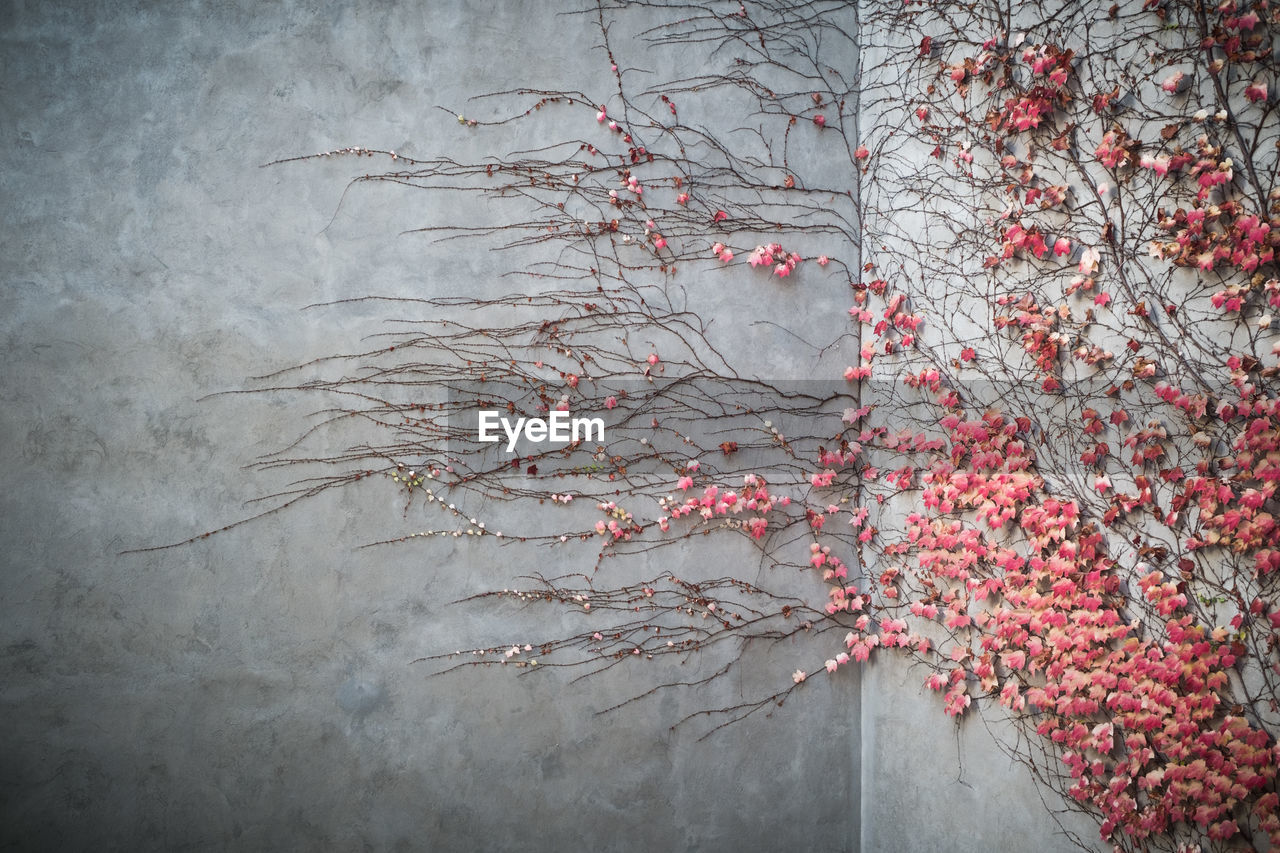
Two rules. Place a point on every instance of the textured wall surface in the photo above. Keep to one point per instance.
(256, 690)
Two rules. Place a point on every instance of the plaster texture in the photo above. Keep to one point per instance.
(256, 690)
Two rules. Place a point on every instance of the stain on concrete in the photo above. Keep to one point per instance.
(360, 696)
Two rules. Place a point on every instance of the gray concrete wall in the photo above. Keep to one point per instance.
(256, 690)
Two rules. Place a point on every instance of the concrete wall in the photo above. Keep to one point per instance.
(256, 690)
